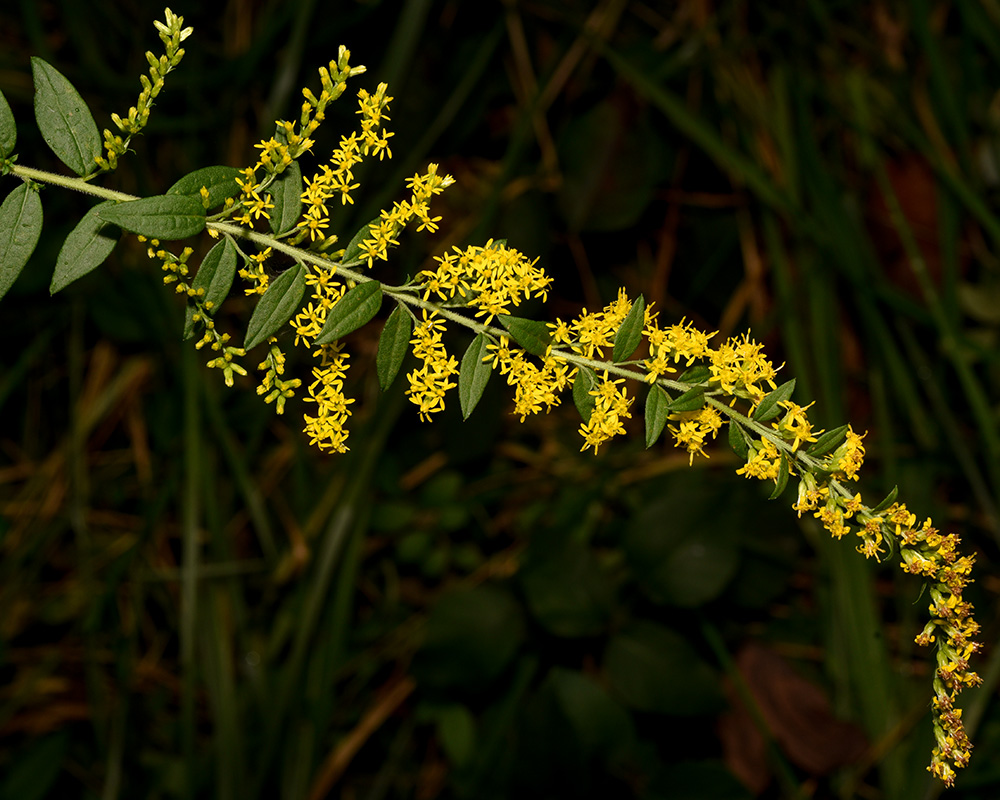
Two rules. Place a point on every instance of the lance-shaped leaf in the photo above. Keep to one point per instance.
(352, 311)
(353, 251)
(699, 373)
(276, 307)
(8, 130)
(473, 375)
(530, 334)
(769, 408)
(220, 182)
(630, 332)
(583, 385)
(889, 500)
(165, 216)
(691, 400)
(85, 249)
(656, 413)
(738, 441)
(392, 346)
(828, 441)
(20, 226)
(782, 480)
(215, 276)
(64, 119)
(286, 194)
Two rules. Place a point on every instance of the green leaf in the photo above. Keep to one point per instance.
(682, 546)
(473, 375)
(630, 332)
(392, 346)
(533, 336)
(782, 480)
(889, 500)
(8, 129)
(219, 181)
(565, 587)
(64, 119)
(286, 194)
(656, 413)
(738, 440)
(352, 311)
(456, 729)
(85, 249)
(656, 670)
(215, 276)
(699, 373)
(166, 216)
(583, 385)
(353, 251)
(276, 307)
(828, 441)
(470, 637)
(691, 400)
(20, 227)
(769, 408)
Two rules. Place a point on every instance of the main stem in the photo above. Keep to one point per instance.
(401, 294)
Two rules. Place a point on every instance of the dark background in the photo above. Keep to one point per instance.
(195, 603)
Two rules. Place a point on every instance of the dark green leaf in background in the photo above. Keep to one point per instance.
(696, 374)
(656, 413)
(215, 276)
(738, 440)
(220, 182)
(584, 383)
(532, 335)
(683, 545)
(470, 637)
(8, 128)
(276, 307)
(566, 589)
(827, 442)
(286, 194)
(782, 480)
(769, 408)
(392, 346)
(691, 400)
(166, 216)
(63, 118)
(85, 249)
(630, 332)
(889, 500)
(473, 375)
(654, 669)
(354, 309)
(353, 250)
(20, 227)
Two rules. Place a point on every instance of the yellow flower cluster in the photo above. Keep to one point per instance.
(493, 278)
(667, 346)
(279, 151)
(534, 387)
(611, 406)
(740, 368)
(274, 389)
(253, 272)
(694, 428)
(391, 221)
(328, 429)
(430, 381)
(590, 333)
(171, 33)
(336, 179)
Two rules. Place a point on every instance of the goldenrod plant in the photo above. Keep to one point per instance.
(625, 360)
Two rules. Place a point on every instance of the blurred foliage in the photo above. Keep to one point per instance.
(196, 604)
